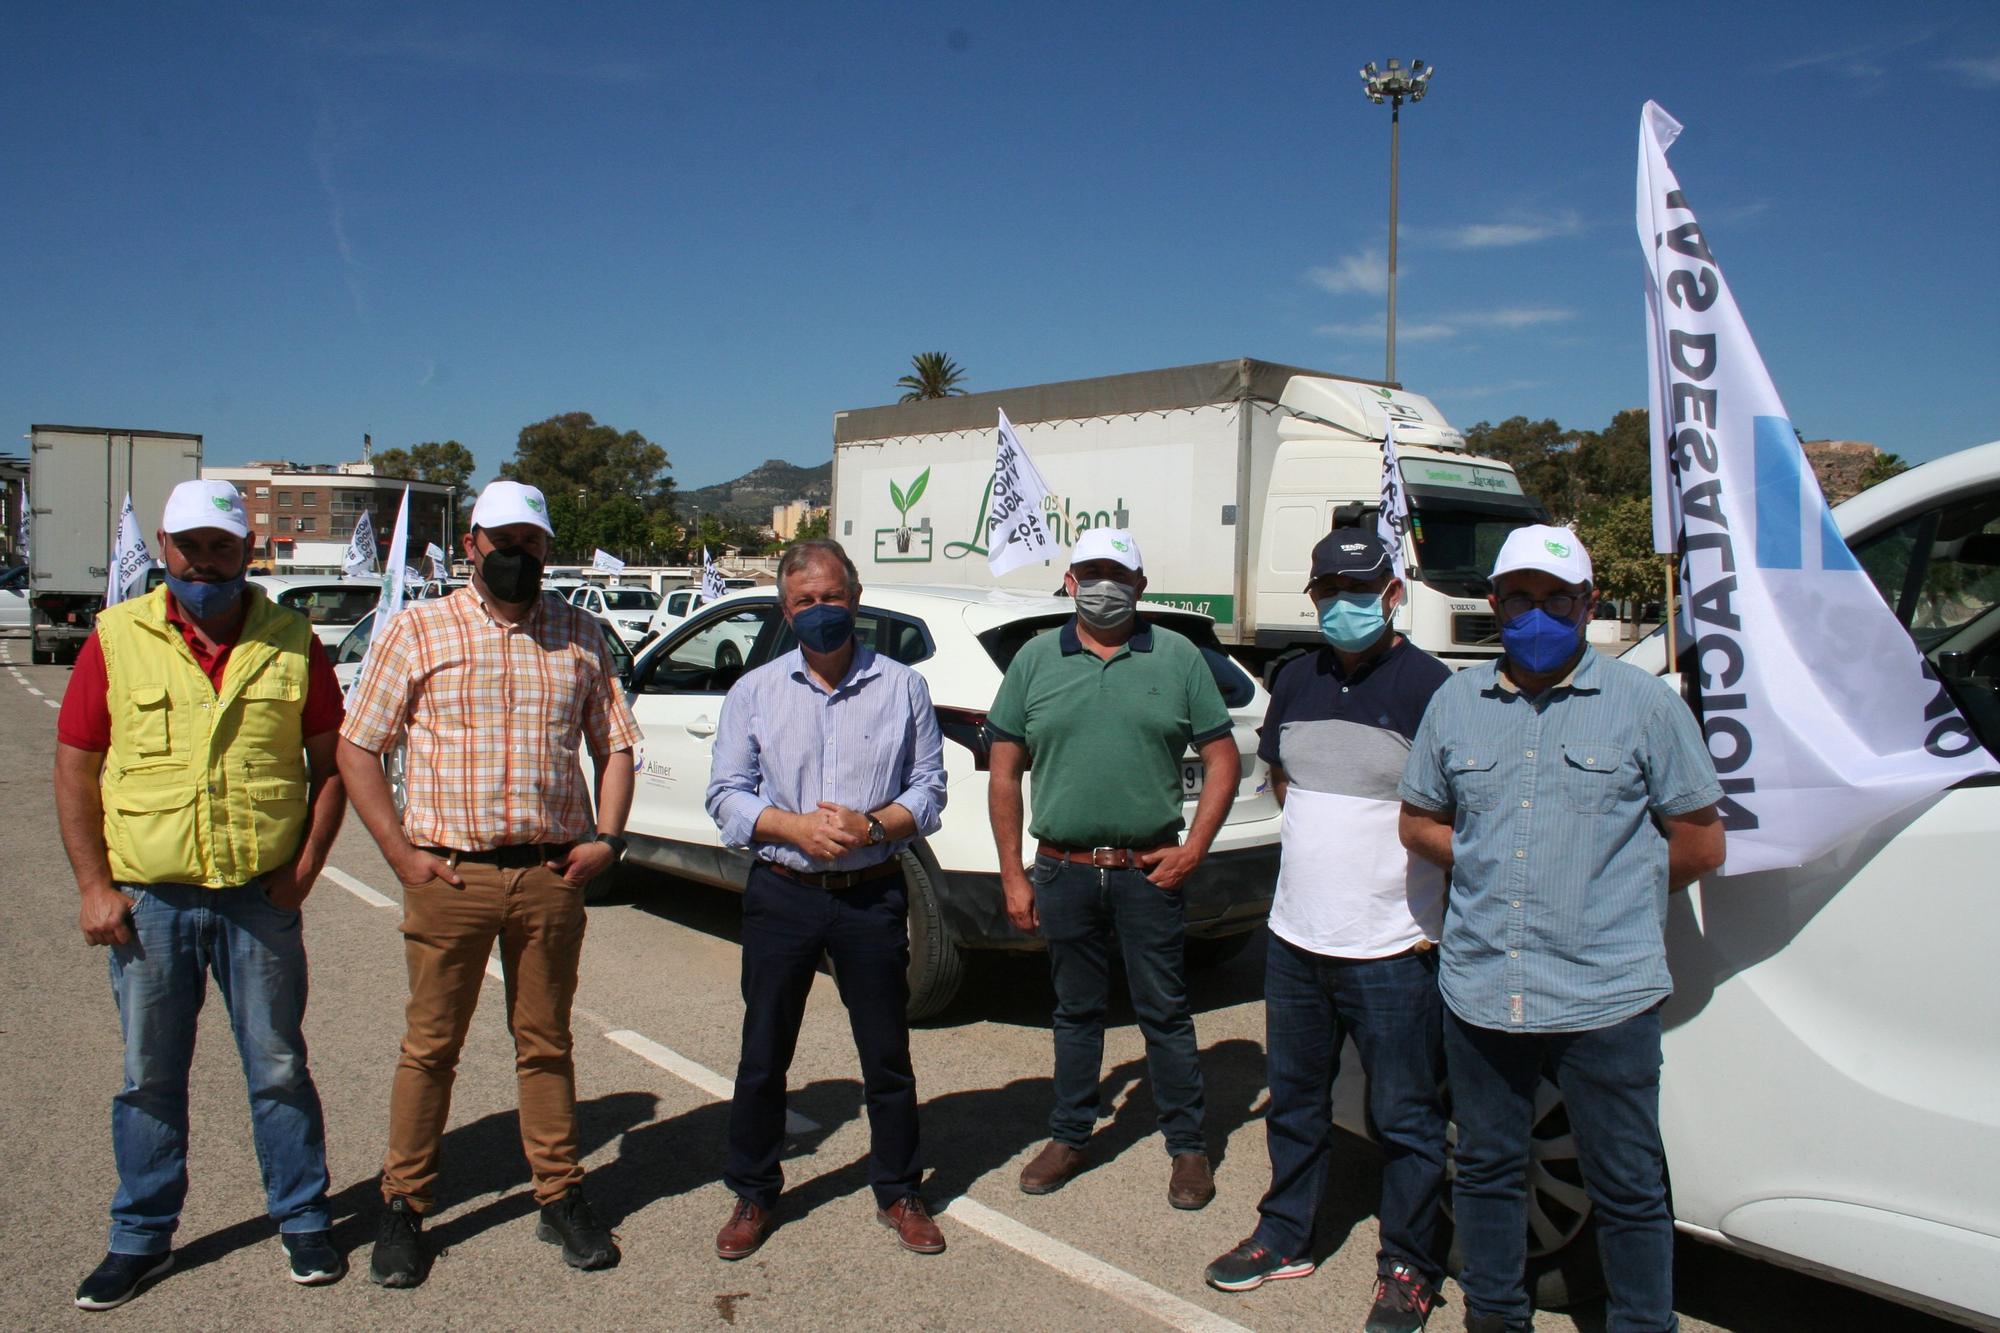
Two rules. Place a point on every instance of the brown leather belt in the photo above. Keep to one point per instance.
(837, 879)
(514, 856)
(1104, 858)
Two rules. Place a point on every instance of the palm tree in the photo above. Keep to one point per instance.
(937, 377)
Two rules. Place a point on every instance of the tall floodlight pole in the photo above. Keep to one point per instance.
(1392, 85)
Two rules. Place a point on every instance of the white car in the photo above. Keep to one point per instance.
(629, 611)
(14, 598)
(1831, 1092)
(334, 604)
(960, 640)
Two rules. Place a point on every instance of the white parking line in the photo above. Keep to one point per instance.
(710, 1082)
(53, 703)
(358, 889)
(1071, 1262)
(37, 693)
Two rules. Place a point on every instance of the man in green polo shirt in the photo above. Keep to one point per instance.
(1105, 708)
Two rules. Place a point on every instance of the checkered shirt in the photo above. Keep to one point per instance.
(494, 713)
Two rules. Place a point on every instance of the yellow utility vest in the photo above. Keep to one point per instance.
(203, 786)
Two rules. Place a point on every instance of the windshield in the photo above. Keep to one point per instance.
(1456, 547)
(333, 604)
(629, 599)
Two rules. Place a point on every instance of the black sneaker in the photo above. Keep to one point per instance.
(399, 1248)
(314, 1260)
(585, 1242)
(118, 1279)
(1250, 1265)
(1403, 1302)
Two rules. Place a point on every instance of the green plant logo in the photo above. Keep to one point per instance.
(220, 503)
(905, 501)
(1557, 549)
(534, 504)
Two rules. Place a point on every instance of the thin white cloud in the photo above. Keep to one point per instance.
(1452, 326)
(1365, 272)
(485, 52)
(1502, 234)
(323, 149)
(1980, 71)
(1486, 390)
(1857, 62)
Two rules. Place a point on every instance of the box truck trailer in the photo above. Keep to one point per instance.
(1227, 473)
(78, 477)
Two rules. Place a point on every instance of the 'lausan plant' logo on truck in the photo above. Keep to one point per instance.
(1065, 524)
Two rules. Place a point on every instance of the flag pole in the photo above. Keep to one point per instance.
(1673, 636)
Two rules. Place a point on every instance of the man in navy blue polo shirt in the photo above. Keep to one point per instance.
(1353, 936)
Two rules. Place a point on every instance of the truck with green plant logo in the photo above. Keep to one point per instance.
(1227, 473)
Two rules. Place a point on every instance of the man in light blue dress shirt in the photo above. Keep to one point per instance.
(827, 762)
(1567, 794)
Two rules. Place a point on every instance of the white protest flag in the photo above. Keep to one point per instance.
(434, 554)
(1821, 715)
(394, 571)
(1392, 520)
(127, 574)
(1016, 532)
(606, 561)
(359, 558)
(712, 585)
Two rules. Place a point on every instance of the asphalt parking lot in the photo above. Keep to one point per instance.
(657, 1017)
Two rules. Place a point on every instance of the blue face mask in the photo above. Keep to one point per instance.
(206, 601)
(1352, 621)
(825, 628)
(1537, 642)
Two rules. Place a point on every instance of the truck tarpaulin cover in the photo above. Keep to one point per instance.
(1108, 395)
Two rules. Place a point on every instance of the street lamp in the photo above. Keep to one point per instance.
(1393, 85)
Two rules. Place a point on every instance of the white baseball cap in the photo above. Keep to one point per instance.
(205, 504)
(1107, 544)
(1551, 550)
(504, 502)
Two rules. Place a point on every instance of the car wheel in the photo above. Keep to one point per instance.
(937, 963)
(1563, 1267)
(42, 656)
(728, 657)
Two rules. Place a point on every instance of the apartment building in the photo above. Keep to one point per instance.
(302, 517)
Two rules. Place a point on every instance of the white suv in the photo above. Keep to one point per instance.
(960, 640)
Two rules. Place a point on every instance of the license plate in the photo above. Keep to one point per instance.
(1192, 771)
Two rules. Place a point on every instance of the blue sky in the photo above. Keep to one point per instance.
(283, 225)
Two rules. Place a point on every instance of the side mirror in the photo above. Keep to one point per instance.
(1954, 666)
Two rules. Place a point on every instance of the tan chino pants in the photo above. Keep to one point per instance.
(448, 934)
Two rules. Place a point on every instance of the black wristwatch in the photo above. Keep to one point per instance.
(615, 843)
(876, 833)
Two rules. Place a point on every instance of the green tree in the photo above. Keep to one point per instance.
(620, 525)
(814, 527)
(447, 462)
(1615, 463)
(589, 465)
(937, 376)
(1884, 466)
(1618, 534)
(1541, 454)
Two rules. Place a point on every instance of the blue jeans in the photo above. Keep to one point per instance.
(1610, 1081)
(1390, 1006)
(181, 935)
(1080, 908)
(864, 931)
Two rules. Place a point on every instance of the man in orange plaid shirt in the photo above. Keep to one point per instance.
(495, 686)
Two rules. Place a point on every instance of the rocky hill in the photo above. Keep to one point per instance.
(749, 498)
(1840, 465)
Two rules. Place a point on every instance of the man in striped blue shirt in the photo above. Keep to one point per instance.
(827, 762)
(1567, 794)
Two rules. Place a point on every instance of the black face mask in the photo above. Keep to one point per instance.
(511, 574)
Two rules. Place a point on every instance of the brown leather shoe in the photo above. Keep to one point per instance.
(1052, 1168)
(743, 1232)
(910, 1218)
(1192, 1184)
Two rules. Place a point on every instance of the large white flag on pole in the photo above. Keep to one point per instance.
(127, 575)
(395, 570)
(604, 560)
(1392, 520)
(359, 558)
(1016, 532)
(1820, 713)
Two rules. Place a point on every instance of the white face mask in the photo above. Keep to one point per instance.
(1105, 603)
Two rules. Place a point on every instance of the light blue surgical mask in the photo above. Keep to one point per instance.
(1352, 621)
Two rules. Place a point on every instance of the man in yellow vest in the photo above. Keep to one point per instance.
(198, 793)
